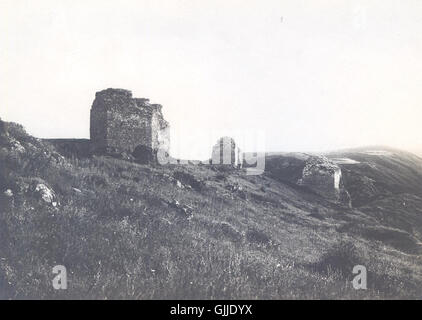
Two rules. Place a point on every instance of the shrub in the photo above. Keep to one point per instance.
(96, 180)
(221, 177)
(340, 259)
(257, 236)
(189, 179)
(226, 230)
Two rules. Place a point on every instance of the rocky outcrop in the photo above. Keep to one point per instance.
(325, 178)
(120, 122)
(322, 176)
(316, 173)
(23, 159)
(46, 194)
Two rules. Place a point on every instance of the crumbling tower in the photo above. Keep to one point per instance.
(120, 122)
(226, 152)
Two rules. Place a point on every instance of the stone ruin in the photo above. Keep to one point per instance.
(121, 124)
(316, 173)
(226, 152)
(323, 176)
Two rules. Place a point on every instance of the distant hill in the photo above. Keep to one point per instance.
(130, 231)
(377, 172)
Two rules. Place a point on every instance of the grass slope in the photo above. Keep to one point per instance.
(130, 231)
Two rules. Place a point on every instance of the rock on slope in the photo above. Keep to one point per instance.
(24, 160)
(317, 173)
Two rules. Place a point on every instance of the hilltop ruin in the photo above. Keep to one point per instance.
(226, 152)
(134, 129)
(120, 123)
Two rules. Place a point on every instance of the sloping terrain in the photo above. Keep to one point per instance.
(379, 172)
(130, 231)
(386, 184)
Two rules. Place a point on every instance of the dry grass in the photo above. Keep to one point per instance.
(120, 239)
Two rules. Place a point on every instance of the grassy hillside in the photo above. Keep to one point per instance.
(378, 172)
(130, 231)
(386, 184)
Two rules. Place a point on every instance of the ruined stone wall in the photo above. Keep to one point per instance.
(80, 148)
(317, 173)
(225, 152)
(120, 122)
(160, 130)
(98, 125)
(128, 127)
(325, 178)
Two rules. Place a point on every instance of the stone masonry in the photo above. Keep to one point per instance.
(120, 122)
(119, 125)
(316, 173)
(226, 152)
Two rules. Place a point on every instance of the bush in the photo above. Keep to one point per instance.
(221, 177)
(226, 230)
(188, 179)
(256, 236)
(339, 259)
(96, 180)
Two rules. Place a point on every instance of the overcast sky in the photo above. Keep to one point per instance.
(309, 75)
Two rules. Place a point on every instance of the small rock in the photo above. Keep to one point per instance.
(8, 193)
(188, 211)
(16, 146)
(234, 187)
(46, 194)
(188, 181)
(185, 210)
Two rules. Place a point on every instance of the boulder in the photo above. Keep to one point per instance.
(16, 146)
(188, 180)
(322, 176)
(184, 210)
(46, 194)
(317, 173)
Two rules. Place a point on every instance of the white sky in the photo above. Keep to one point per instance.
(310, 75)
